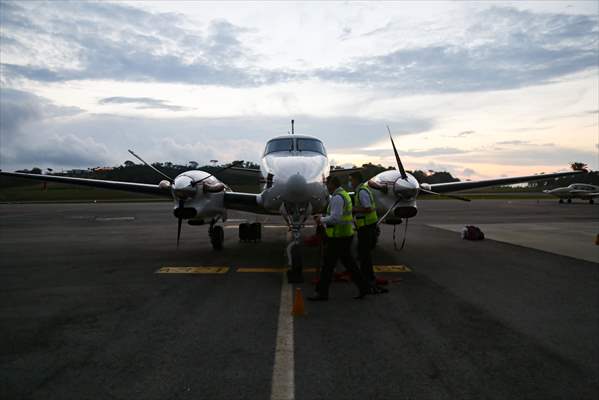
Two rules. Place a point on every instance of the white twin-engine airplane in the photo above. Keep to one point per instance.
(293, 170)
(581, 191)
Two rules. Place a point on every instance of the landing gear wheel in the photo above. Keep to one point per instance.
(561, 201)
(591, 201)
(217, 237)
(569, 201)
(295, 273)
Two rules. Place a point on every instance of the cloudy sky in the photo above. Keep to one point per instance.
(479, 89)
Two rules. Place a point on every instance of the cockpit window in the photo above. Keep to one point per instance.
(279, 145)
(310, 145)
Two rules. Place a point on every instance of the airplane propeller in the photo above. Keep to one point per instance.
(171, 180)
(388, 212)
(194, 183)
(404, 176)
(183, 187)
(400, 167)
(451, 196)
(179, 221)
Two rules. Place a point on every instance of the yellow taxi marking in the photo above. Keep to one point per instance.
(391, 268)
(193, 270)
(261, 269)
(243, 269)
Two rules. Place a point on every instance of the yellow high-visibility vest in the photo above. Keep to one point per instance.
(368, 218)
(345, 227)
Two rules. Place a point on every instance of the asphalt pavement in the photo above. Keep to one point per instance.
(84, 315)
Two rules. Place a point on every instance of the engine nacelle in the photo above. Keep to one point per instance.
(391, 190)
(198, 195)
(402, 211)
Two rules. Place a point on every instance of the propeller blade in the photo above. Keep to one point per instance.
(451, 196)
(179, 230)
(179, 220)
(217, 172)
(388, 212)
(400, 167)
(151, 166)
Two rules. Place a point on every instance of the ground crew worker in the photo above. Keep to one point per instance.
(340, 233)
(366, 224)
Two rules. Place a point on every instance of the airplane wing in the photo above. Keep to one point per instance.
(343, 172)
(233, 200)
(251, 172)
(455, 186)
(125, 186)
(243, 202)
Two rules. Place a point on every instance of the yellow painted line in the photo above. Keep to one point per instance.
(267, 270)
(193, 270)
(391, 268)
(261, 269)
(271, 269)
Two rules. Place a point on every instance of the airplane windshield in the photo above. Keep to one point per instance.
(310, 145)
(279, 145)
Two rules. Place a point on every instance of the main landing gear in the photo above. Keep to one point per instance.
(217, 235)
(250, 232)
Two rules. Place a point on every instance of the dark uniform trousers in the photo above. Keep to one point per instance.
(366, 235)
(339, 249)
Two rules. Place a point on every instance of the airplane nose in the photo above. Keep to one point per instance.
(405, 189)
(296, 188)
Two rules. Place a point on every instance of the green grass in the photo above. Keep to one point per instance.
(492, 196)
(58, 192)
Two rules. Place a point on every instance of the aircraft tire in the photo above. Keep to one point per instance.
(591, 201)
(569, 201)
(217, 237)
(561, 201)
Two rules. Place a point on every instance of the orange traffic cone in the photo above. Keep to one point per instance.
(298, 303)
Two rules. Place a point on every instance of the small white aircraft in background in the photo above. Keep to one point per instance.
(581, 191)
(293, 171)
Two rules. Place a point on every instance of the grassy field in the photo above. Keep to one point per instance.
(493, 196)
(57, 192)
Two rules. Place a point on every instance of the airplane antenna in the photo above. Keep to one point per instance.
(292, 130)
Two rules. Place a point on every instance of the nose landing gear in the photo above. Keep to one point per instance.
(295, 258)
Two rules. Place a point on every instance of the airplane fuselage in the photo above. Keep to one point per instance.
(294, 170)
